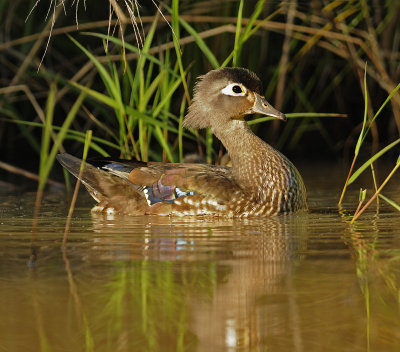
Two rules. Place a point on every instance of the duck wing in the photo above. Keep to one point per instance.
(134, 187)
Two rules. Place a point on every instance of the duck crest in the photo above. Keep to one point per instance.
(260, 182)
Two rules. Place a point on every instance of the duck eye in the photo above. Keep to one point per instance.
(237, 89)
(234, 90)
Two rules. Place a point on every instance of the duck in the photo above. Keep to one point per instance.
(260, 182)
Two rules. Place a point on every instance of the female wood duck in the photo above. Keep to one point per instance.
(261, 181)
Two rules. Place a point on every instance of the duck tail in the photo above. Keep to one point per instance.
(106, 185)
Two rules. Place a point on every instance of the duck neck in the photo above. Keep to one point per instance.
(246, 150)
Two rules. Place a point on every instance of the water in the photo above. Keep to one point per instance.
(308, 282)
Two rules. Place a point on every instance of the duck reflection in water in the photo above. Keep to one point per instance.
(232, 265)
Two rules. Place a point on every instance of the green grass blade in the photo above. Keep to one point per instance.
(86, 146)
(160, 137)
(236, 49)
(151, 89)
(150, 120)
(296, 115)
(200, 43)
(228, 59)
(389, 201)
(176, 36)
(361, 136)
(386, 101)
(48, 162)
(97, 95)
(63, 132)
(72, 135)
(46, 135)
(133, 49)
(390, 96)
(105, 76)
(377, 192)
(180, 134)
(371, 160)
(167, 98)
(248, 30)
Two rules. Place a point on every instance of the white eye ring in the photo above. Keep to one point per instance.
(229, 89)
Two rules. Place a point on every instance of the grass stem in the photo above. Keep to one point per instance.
(356, 216)
(76, 190)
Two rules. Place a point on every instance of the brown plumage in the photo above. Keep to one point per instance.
(260, 182)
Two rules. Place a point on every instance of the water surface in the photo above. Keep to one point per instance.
(305, 282)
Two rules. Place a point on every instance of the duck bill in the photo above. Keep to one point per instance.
(261, 106)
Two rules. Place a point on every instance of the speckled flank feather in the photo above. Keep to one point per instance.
(261, 181)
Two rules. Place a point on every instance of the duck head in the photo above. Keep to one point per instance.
(226, 95)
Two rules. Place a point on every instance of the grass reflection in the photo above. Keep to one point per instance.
(144, 305)
(378, 276)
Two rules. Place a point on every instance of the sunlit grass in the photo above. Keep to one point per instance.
(352, 176)
(138, 87)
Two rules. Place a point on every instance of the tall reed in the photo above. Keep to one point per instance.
(138, 80)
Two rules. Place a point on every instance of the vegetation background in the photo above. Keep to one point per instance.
(126, 69)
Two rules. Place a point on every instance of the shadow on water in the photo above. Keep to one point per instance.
(305, 282)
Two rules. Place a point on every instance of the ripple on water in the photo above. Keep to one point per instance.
(123, 283)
